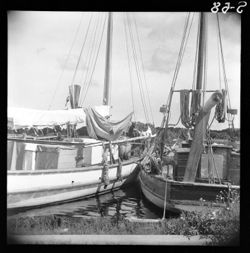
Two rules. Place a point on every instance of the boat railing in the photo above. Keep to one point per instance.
(74, 154)
(78, 143)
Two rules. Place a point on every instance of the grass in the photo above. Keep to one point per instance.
(222, 225)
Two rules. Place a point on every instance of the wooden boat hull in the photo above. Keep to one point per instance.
(29, 189)
(180, 195)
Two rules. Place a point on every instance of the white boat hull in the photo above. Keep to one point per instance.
(38, 188)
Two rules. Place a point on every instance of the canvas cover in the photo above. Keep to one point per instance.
(100, 127)
(23, 117)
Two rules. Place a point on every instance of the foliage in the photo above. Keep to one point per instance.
(221, 224)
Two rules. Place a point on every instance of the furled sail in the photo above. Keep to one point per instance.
(100, 127)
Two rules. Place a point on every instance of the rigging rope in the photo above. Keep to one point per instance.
(137, 70)
(89, 60)
(130, 73)
(143, 69)
(79, 58)
(98, 50)
(230, 117)
(177, 68)
(65, 63)
(223, 63)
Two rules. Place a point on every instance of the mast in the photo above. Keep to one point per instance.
(193, 164)
(107, 79)
(201, 56)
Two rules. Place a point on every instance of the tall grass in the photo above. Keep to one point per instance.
(222, 225)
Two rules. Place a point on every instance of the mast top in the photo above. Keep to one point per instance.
(107, 78)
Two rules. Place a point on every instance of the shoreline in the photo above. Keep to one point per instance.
(188, 229)
(111, 239)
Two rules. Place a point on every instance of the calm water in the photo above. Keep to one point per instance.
(128, 202)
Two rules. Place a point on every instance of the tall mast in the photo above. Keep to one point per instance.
(194, 158)
(200, 63)
(107, 79)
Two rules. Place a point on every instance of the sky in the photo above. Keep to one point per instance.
(44, 48)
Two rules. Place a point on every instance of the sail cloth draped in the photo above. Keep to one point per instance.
(23, 117)
(100, 127)
(188, 117)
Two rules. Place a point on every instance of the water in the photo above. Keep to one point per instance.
(127, 202)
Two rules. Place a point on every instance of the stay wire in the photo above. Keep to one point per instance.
(137, 70)
(95, 59)
(129, 67)
(224, 70)
(80, 55)
(223, 62)
(177, 68)
(180, 52)
(143, 69)
(65, 63)
(90, 57)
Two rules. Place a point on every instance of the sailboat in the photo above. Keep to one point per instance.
(186, 188)
(53, 169)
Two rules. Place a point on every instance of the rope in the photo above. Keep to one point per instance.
(89, 58)
(119, 170)
(178, 63)
(176, 123)
(223, 63)
(143, 69)
(137, 70)
(65, 63)
(112, 159)
(95, 62)
(165, 202)
(129, 67)
(179, 60)
(180, 54)
(105, 169)
(79, 58)
(209, 143)
(224, 71)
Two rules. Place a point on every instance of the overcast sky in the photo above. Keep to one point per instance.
(39, 75)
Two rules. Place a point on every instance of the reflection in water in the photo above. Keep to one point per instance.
(127, 202)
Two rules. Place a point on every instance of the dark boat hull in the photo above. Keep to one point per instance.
(180, 195)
